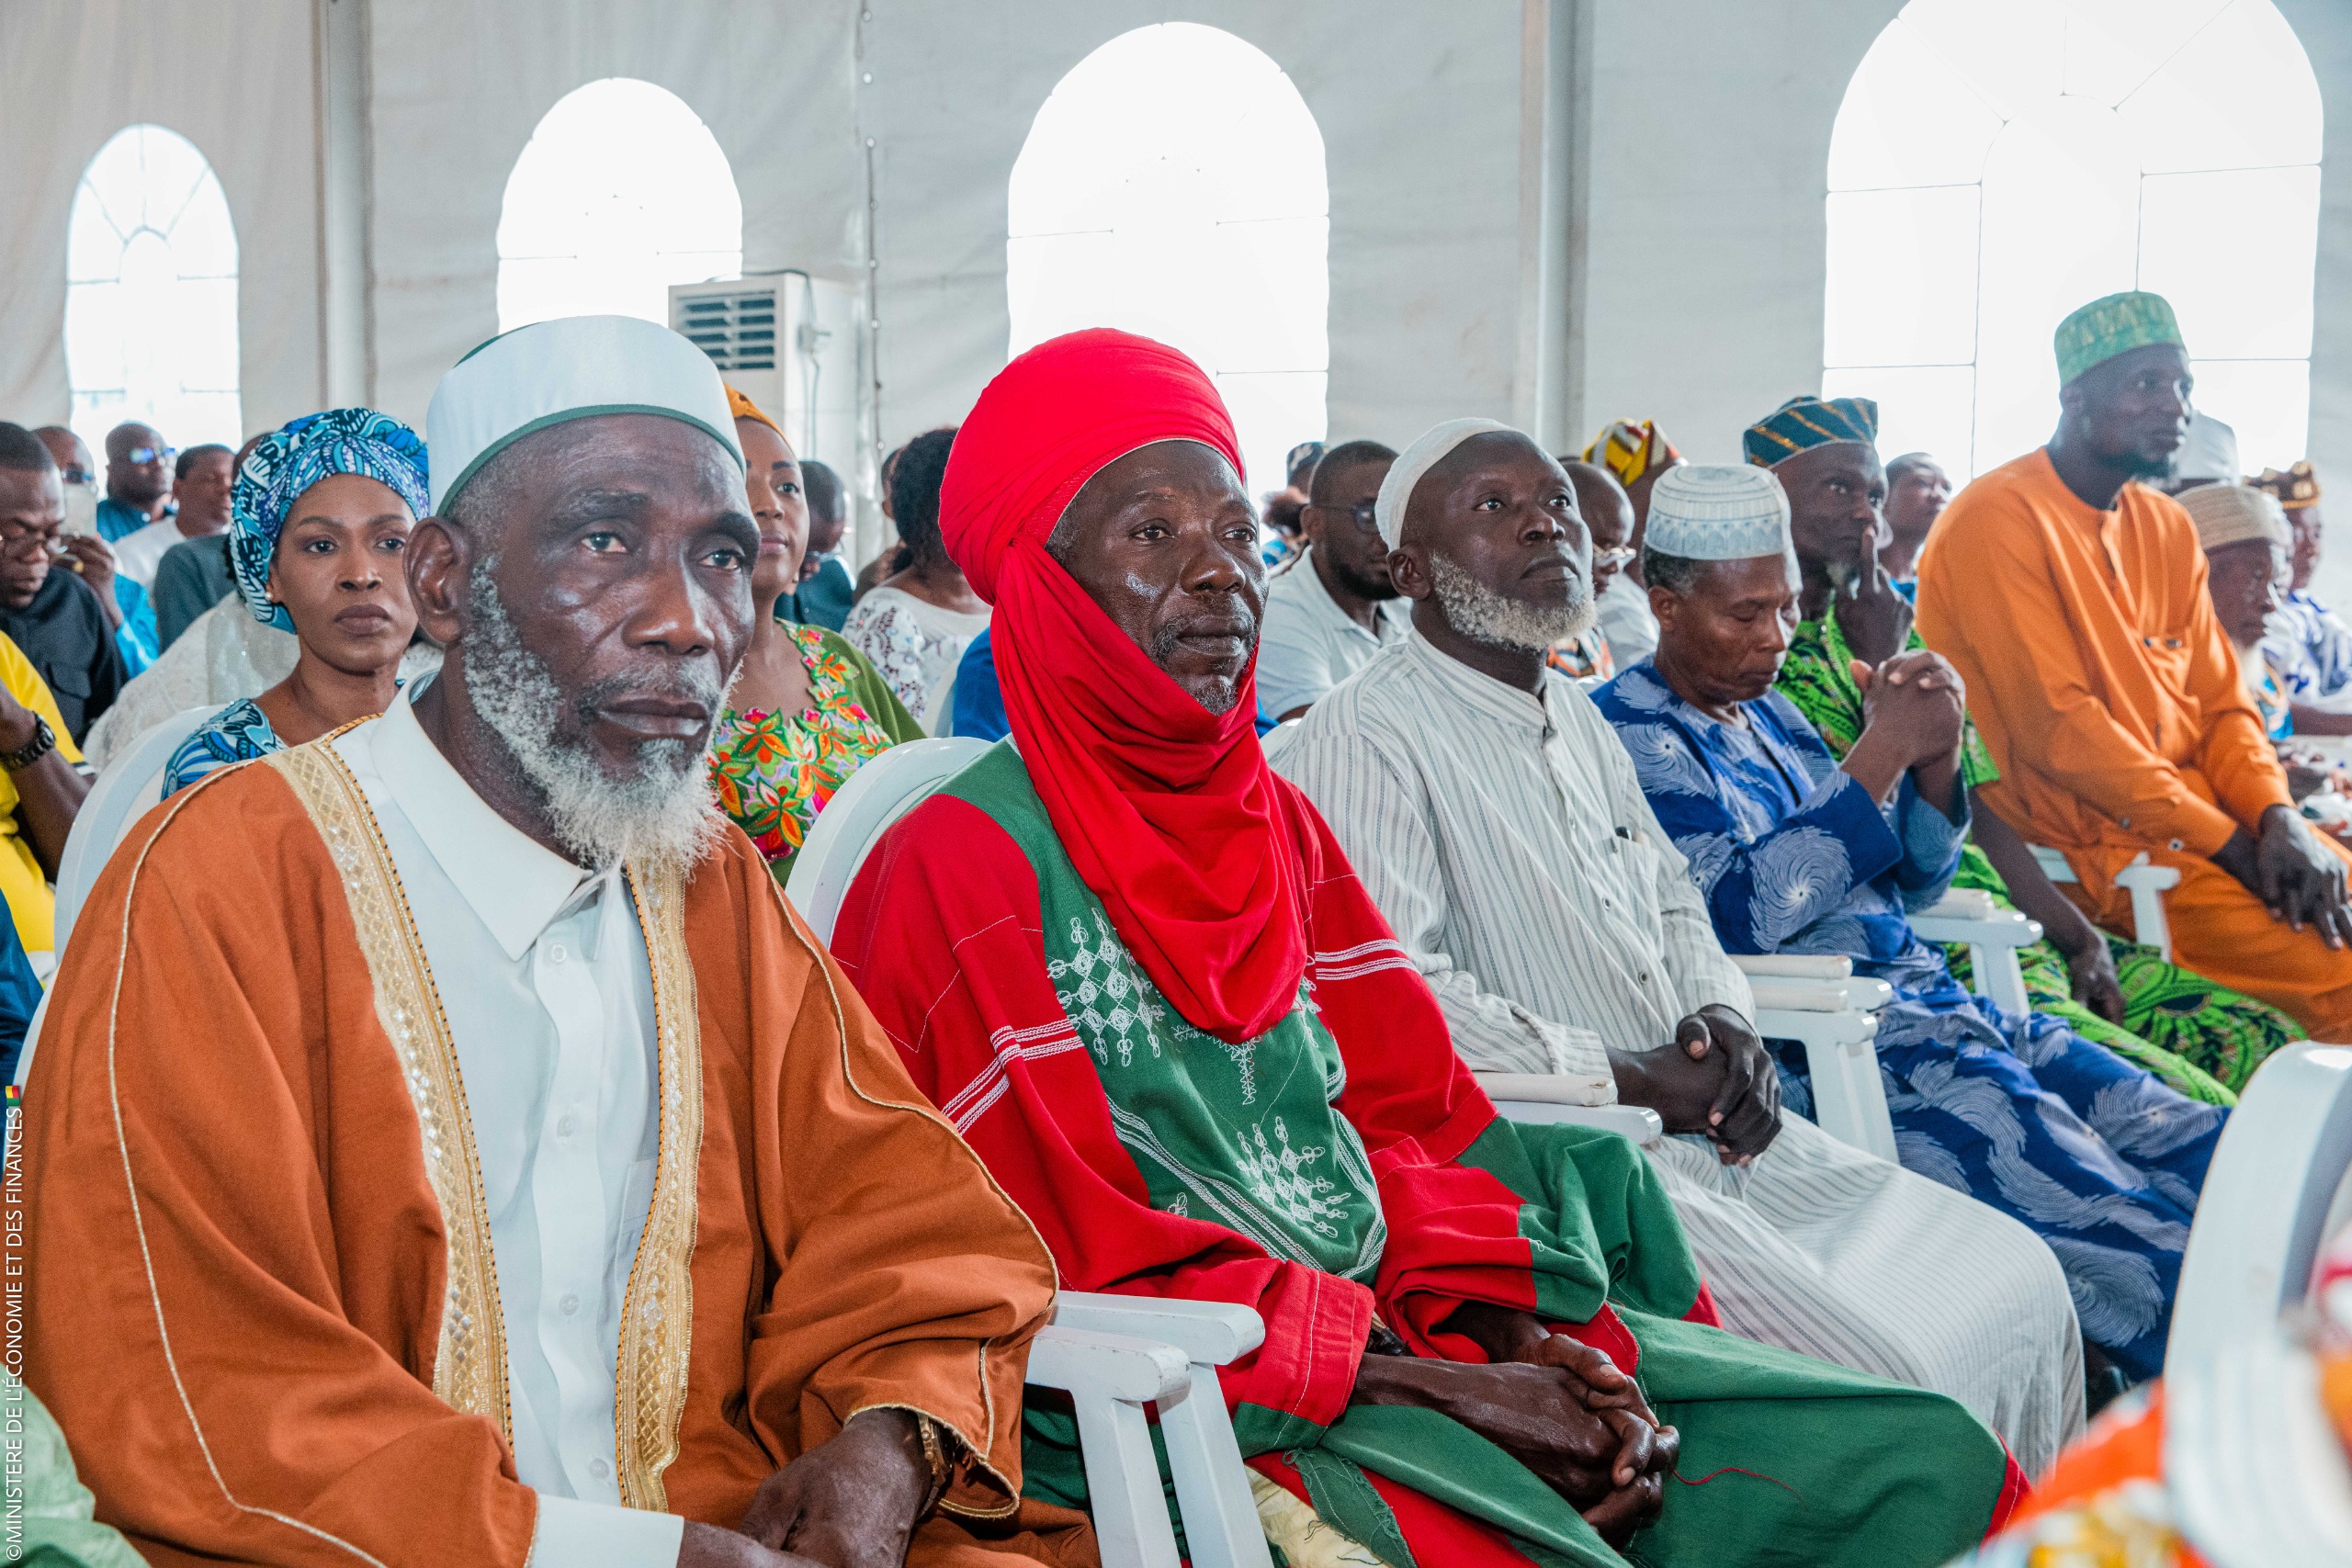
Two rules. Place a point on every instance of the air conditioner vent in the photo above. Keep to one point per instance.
(732, 322)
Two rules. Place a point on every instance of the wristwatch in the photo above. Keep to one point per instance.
(43, 743)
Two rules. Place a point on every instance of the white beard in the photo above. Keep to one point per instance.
(662, 820)
(1480, 613)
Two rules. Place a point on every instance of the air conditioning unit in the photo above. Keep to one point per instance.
(794, 345)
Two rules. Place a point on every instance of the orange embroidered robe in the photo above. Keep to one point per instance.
(261, 1297)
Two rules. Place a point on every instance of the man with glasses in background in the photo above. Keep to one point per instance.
(138, 480)
(1334, 607)
(124, 599)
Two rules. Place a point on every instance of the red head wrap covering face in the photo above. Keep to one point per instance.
(1169, 811)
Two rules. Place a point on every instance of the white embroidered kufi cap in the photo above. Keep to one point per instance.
(2232, 513)
(1702, 511)
(574, 368)
(1396, 489)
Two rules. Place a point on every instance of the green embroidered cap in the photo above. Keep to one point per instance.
(2115, 325)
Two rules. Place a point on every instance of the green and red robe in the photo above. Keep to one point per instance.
(1343, 1168)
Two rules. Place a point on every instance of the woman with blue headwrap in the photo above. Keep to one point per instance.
(320, 517)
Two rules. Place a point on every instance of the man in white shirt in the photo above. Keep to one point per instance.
(457, 1150)
(1497, 823)
(206, 475)
(1331, 609)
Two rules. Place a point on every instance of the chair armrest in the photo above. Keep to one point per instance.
(1792, 966)
(1213, 1333)
(1820, 996)
(2141, 873)
(2053, 865)
(1998, 928)
(1135, 1370)
(1846, 1027)
(1639, 1122)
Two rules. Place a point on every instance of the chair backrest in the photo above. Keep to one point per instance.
(885, 789)
(2263, 1214)
(131, 783)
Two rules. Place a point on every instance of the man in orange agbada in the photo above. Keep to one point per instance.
(2071, 599)
(446, 1146)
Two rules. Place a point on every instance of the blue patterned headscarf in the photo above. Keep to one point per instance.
(1805, 423)
(288, 462)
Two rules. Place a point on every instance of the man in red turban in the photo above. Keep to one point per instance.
(1132, 966)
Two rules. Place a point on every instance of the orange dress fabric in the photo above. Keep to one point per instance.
(2111, 701)
(238, 1261)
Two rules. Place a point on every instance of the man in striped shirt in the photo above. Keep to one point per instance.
(1499, 826)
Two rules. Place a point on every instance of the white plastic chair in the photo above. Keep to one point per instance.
(2269, 1195)
(2146, 883)
(131, 783)
(1818, 1003)
(1112, 1354)
(1993, 935)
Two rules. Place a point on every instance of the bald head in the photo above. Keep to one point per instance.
(139, 467)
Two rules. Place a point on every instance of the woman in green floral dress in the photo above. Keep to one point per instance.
(807, 709)
(2202, 1039)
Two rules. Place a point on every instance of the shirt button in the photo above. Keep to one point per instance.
(1643, 978)
(570, 1306)
(558, 953)
(564, 1125)
(2175, 844)
(600, 1468)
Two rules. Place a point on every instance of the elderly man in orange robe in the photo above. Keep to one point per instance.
(2071, 597)
(445, 1144)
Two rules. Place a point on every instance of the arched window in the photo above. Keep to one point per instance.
(151, 293)
(1173, 186)
(621, 192)
(1998, 163)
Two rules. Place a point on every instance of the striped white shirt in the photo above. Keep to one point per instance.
(1506, 838)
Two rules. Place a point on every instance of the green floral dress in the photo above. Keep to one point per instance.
(2202, 1039)
(773, 774)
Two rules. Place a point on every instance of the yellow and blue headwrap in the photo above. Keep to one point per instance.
(289, 461)
(1632, 447)
(1802, 423)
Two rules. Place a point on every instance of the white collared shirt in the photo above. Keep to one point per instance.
(1309, 645)
(542, 970)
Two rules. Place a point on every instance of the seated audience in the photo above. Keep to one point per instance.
(980, 700)
(1608, 513)
(1333, 607)
(1284, 509)
(916, 623)
(2071, 599)
(2244, 534)
(139, 482)
(1133, 968)
(55, 619)
(2200, 1038)
(805, 708)
(320, 518)
(192, 576)
(1500, 828)
(2208, 455)
(1917, 490)
(125, 602)
(2308, 644)
(1796, 852)
(619, 1300)
(1637, 453)
(824, 591)
(205, 476)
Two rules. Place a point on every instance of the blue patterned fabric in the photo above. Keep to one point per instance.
(1804, 423)
(2093, 1153)
(237, 733)
(2310, 647)
(292, 460)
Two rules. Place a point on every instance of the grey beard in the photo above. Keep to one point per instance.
(661, 820)
(1480, 613)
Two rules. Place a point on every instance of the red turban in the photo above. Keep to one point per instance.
(1168, 811)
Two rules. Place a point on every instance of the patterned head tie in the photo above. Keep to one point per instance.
(1632, 447)
(1709, 511)
(287, 462)
(2293, 488)
(1804, 423)
(2117, 323)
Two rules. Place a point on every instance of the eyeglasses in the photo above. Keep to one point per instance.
(142, 455)
(1364, 513)
(1617, 559)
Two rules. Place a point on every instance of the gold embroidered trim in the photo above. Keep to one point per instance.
(470, 1358)
(657, 1315)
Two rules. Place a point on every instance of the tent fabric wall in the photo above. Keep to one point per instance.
(235, 77)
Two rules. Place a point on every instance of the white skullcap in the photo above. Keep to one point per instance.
(552, 372)
(1702, 511)
(1396, 489)
(2209, 452)
(2232, 513)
